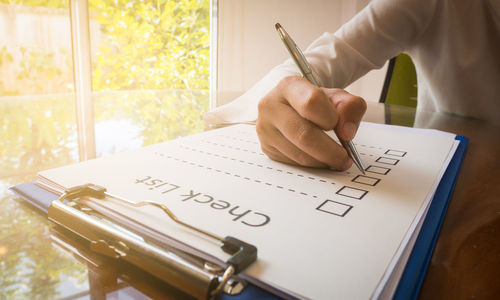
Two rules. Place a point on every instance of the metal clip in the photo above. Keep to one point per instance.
(116, 244)
(243, 254)
(103, 247)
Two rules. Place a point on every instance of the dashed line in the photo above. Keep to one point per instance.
(367, 146)
(235, 175)
(239, 139)
(231, 147)
(361, 153)
(254, 164)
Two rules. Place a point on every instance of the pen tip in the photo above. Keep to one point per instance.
(277, 25)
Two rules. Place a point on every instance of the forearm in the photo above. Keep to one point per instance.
(380, 31)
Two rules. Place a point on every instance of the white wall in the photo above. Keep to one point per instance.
(249, 45)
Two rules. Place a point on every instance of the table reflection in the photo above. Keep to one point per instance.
(39, 133)
(39, 260)
(30, 267)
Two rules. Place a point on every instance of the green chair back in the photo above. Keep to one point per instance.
(400, 85)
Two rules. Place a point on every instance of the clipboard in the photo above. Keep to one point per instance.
(209, 279)
(190, 274)
(106, 277)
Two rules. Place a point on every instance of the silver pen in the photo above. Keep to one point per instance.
(306, 71)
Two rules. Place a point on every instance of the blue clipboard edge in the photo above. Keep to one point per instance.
(34, 195)
(414, 273)
(416, 267)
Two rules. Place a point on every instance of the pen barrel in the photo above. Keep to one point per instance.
(310, 76)
(166, 265)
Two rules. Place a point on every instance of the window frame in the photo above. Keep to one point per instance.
(82, 72)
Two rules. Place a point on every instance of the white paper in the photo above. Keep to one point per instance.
(320, 234)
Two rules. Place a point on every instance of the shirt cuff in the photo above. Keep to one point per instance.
(244, 108)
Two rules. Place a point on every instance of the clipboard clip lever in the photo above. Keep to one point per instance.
(114, 244)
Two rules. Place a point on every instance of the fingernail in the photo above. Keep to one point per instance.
(349, 130)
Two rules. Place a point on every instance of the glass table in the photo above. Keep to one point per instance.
(40, 260)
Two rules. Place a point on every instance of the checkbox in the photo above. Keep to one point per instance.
(334, 208)
(363, 179)
(395, 153)
(387, 160)
(377, 170)
(351, 192)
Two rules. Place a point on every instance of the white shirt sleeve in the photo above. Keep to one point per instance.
(383, 29)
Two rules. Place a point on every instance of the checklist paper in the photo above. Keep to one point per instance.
(320, 234)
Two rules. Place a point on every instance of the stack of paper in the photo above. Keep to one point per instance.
(320, 234)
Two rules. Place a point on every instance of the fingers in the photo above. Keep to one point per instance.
(309, 101)
(350, 110)
(288, 137)
(293, 117)
(286, 152)
(310, 140)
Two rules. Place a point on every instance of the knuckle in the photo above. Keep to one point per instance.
(263, 105)
(305, 135)
(260, 129)
(313, 100)
(287, 81)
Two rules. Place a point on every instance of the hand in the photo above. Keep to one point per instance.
(293, 117)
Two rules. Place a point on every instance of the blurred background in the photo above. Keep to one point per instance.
(85, 78)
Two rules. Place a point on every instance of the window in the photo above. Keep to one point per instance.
(150, 70)
(37, 111)
(138, 75)
(147, 78)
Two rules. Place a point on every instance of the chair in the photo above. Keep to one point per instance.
(400, 84)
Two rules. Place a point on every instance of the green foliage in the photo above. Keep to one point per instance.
(160, 115)
(35, 65)
(30, 267)
(152, 44)
(36, 72)
(37, 136)
(159, 50)
(6, 58)
(151, 69)
(42, 3)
